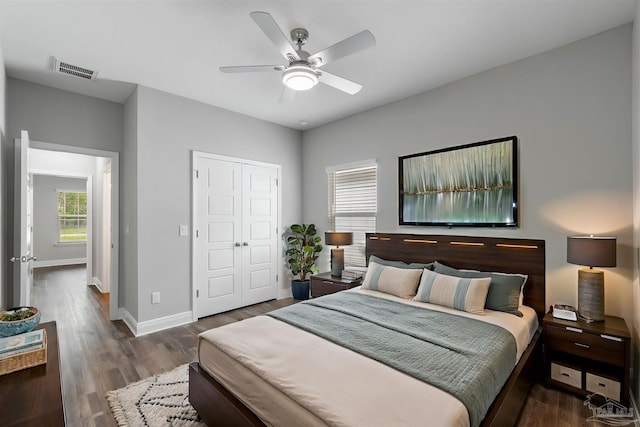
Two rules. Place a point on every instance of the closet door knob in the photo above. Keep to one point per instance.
(237, 243)
(245, 243)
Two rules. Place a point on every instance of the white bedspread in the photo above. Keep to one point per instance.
(291, 377)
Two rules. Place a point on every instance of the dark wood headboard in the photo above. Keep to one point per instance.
(505, 255)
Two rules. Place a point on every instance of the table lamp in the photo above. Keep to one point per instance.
(591, 251)
(337, 239)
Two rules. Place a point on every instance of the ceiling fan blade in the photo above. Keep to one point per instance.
(361, 41)
(268, 25)
(251, 68)
(287, 94)
(339, 83)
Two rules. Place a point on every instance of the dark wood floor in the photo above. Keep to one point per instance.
(98, 355)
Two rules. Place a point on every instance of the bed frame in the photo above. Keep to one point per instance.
(218, 407)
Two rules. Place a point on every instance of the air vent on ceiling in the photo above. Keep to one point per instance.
(73, 70)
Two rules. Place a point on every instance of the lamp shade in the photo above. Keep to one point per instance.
(338, 238)
(591, 251)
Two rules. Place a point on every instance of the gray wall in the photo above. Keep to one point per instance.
(45, 218)
(168, 129)
(4, 205)
(570, 108)
(635, 327)
(73, 165)
(54, 116)
(128, 297)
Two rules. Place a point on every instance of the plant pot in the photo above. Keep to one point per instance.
(14, 327)
(300, 289)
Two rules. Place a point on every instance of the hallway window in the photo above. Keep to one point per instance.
(72, 216)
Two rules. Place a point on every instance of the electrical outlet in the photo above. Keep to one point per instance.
(155, 298)
(183, 230)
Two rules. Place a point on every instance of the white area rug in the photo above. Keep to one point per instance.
(162, 400)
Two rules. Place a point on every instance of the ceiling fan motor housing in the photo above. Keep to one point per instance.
(299, 36)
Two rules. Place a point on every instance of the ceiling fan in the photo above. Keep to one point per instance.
(302, 71)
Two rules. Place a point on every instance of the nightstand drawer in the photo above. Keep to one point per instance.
(595, 347)
(325, 283)
(321, 287)
(606, 386)
(566, 375)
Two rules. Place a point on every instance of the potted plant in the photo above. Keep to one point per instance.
(303, 250)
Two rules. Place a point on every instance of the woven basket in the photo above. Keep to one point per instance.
(25, 360)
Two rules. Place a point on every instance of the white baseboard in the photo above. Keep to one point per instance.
(285, 293)
(149, 326)
(98, 284)
(59, 262)
(128, 319)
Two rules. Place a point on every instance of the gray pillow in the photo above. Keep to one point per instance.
(504, 291)
(400, 264)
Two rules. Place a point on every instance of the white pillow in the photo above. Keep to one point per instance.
(455, 292)
(400, 282)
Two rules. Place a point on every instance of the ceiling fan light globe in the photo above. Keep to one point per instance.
(299, 78)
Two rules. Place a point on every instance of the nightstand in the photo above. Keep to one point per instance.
(325, 283)
(585, 358)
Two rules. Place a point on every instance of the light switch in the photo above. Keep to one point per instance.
(155, 298)
(184, 231)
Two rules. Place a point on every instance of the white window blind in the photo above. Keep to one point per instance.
(353, 204)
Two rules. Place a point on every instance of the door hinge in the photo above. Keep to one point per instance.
(276, 182)
(197, 293)
(197, 173)
(197, 234)
(277, 276)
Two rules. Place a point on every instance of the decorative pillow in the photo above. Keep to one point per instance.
(401, 282)
(400, 264)
(504, 292)
(455, 292)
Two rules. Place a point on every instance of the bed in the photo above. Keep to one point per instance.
(317, 389)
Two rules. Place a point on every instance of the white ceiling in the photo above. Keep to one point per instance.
(177, 46)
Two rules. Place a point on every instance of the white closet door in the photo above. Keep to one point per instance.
(219, 250)
(259, 231)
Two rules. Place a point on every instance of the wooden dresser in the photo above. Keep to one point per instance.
(33, 396)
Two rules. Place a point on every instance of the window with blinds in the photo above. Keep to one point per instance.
(353, 204)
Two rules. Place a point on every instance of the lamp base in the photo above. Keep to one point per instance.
(591, 294)
(337, 262)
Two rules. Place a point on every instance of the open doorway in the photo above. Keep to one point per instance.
(83, 228)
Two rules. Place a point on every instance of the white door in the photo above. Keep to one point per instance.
(236, 241)
(259, 233)
(219, 244)
(22, 253)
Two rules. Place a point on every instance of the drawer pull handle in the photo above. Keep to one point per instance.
(569, 328)
(564, 374)
(609, 337)
(581, 345)
(602, 385)
(326, 282)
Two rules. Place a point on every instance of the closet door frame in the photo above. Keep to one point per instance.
(194, 220)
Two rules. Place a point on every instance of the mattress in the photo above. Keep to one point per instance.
(267, 365)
